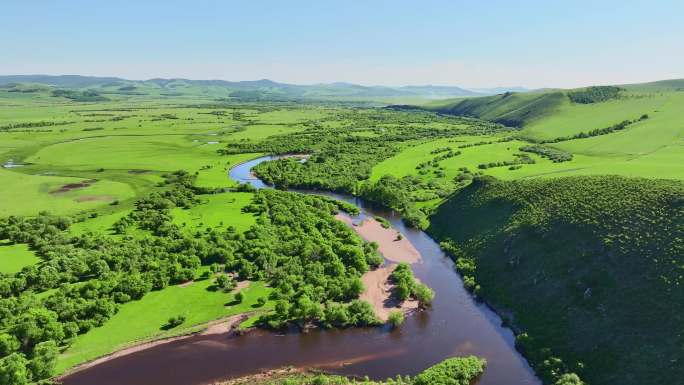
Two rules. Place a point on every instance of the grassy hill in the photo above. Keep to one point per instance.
(590, 268)
(555, 113)
(511, 109)
(650, 141)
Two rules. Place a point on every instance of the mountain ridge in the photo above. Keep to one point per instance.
(264, 86)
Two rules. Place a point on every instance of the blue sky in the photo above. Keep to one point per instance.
(469, 43)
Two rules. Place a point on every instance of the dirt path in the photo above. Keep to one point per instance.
(392, 249)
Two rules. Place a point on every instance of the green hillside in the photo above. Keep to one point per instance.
(552, 114)
(511, 109)
(591, 269)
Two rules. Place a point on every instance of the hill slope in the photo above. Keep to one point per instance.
(511, 109)
(557, 113)
(590, 267)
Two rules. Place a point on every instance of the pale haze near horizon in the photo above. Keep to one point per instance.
(464, 43)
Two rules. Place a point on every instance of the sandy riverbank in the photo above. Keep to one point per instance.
(393, 249)
(378, 292)
(378, 288)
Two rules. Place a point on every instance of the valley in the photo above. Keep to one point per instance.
(545, 231)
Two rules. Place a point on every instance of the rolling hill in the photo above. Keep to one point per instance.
(256, 90)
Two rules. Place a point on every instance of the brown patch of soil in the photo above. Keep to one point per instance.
(73, 186)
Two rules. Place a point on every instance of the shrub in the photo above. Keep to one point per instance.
(175, 321)
(423, 294)
(594, 94)
(396, 318)
(452, 371)
(569, 379)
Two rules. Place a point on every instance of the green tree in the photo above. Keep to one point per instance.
(43, 359)
(8, 344)
(37, 325)
(14, 371)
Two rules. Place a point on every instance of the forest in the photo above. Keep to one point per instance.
(569, 246)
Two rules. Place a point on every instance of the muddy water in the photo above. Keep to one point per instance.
(456, 325)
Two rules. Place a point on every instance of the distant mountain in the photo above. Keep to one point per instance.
(440, 92)
(499, 90)
(68, 81)
(263, 89)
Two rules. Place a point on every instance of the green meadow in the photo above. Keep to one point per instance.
(13, 258)
(25, 194)
(216, 211)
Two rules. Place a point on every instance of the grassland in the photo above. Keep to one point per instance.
(144, 319)
(13, 258)
(216, 212)
(24, 194)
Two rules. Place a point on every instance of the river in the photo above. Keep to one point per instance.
(455, 325)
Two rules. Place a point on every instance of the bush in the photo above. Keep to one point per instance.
(174, 321)
(396, 318)
(569, 379)
(224, 282)
(452, 371)
(423, 294)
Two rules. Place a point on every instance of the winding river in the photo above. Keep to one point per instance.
(455, 325)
